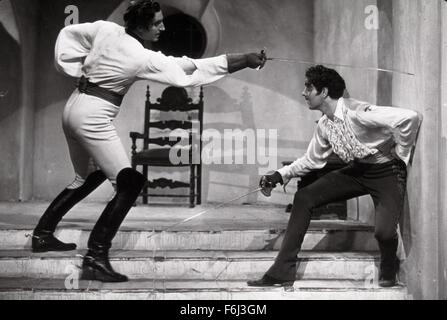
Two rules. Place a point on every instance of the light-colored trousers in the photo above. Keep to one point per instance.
(92, 139)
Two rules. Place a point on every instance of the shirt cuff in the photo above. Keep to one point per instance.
(284, 175)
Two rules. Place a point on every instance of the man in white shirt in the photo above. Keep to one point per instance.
(108, 59)
(374, 142)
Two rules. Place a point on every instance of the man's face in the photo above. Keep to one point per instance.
(152, 33)
(310, 94)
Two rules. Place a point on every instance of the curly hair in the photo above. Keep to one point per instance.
(140, 13)
(321, 77)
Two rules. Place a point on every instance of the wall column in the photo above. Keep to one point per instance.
(443, 165)
(417, 35)
(26, 14)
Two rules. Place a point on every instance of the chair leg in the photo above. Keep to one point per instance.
(145, 188)
(199, 184)
(134, 167)
(192, 186)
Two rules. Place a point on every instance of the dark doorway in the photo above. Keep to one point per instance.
(184, 36)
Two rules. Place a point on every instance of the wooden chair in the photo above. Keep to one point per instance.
(165, 145)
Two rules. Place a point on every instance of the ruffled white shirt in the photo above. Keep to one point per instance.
(359, 131)
(108, 56)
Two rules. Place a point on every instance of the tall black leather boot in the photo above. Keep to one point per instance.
(43, 238)
(389, 263)
(96, 264)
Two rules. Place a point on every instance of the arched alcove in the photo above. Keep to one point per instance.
(184, 36)
(199, 16)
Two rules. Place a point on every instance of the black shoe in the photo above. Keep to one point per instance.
(48, 242)
(389, 263)
(387, 283)
(96, 266)
(388, 273)
(267, 281)
(43, 239)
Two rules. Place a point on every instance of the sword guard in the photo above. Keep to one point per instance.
(266, 187)
(263, 53)
(267, 192)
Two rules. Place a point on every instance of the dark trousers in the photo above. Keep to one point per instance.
(386, 183)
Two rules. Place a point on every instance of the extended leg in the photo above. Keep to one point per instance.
(96, 265)
(84, 184)
(335, 186)
(388, 193)
(43, 238)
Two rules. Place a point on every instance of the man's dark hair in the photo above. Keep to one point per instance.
(140, 13)
(321, 77)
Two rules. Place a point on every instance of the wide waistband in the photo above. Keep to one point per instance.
(93, 89)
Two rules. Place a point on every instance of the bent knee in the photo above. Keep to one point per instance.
(304, 199)
(385, 235)
(130, 178)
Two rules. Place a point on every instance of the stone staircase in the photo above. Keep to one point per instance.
(209, 258)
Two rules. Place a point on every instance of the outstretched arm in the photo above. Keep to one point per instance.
(185, 72)
(235, 62)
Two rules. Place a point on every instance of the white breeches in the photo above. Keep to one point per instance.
(91, 136)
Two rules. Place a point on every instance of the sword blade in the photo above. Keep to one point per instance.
(208, 210)
(340, 65)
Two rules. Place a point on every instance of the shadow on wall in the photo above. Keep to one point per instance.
(224, 174)
(231, 125)
(10, 75)
(10, 97)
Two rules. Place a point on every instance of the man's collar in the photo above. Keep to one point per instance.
(135, 36)
(339, 109)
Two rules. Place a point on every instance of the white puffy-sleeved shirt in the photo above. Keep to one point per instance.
(103, 52)
(359, 131)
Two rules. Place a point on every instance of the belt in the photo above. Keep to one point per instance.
(93, 89)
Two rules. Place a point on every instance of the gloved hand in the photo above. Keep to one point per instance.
(252, 60)
(268, 183)
(256, 60)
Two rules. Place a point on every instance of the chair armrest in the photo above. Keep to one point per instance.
(134, 136)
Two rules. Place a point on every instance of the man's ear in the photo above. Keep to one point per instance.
(140, 30)
(325, 92)
(346, 94)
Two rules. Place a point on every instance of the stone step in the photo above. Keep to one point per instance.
(331, 236)
(147, 289)
(193, 265)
